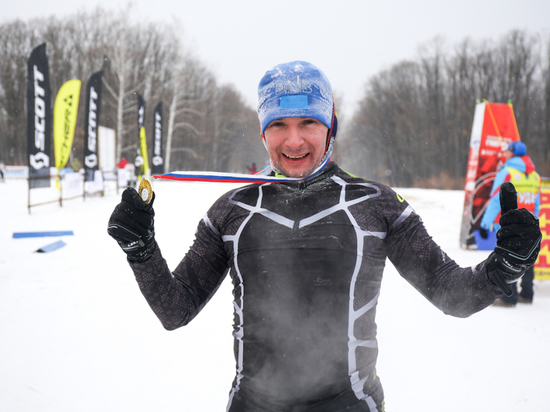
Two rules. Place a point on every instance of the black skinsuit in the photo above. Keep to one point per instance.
(306, 262)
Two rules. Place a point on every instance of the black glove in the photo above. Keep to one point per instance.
(483, 233)
(132, 226)
(518, 241)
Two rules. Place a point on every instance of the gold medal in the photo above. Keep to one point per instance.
(145, 191)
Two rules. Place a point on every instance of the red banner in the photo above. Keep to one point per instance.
(494, 126)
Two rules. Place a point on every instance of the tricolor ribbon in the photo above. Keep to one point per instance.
(220, 177)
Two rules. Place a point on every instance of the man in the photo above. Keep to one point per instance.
(306, 258)
(520, 171)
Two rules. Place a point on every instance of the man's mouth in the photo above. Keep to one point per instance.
(295, 157)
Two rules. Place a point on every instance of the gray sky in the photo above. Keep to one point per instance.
(350, 40)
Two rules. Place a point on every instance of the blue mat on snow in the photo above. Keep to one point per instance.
(51, 247)
(20, 235)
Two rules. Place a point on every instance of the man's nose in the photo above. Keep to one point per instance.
(294, 138)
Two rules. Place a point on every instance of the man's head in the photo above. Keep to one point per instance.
(515, 149)
(297, 117)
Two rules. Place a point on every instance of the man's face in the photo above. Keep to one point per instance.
(296, 145)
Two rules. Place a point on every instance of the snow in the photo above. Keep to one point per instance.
(76, 334)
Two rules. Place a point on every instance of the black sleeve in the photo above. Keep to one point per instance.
(176, 298)
(456, 291)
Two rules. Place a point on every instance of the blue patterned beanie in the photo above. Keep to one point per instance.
(295, 89)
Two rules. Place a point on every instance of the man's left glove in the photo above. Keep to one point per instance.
(132, 226)
(518, 241)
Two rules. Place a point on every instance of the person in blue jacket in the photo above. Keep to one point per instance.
(520, 171)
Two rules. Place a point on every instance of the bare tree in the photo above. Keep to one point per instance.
(461, 90)
(126, 48)
(435, 137)
(16, 40)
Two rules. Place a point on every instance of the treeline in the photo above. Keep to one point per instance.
(413, 126)
(203, 121)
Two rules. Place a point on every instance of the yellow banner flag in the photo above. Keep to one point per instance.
(64, 121)
(542, 265)
(143, 148)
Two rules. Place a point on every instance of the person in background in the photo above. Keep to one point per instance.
(518, 169)
(252, 169)
(306, 257)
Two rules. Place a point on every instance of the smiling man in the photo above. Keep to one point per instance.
(297, 118)
(306, 257)
(296, 145)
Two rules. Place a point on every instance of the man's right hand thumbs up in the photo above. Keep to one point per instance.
(518, 241)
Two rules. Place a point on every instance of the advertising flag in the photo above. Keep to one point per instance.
(91, 123)
(158, 161)
(542, 265)
(65, 111)
(141, 162)
(39, 118)
(493, 128)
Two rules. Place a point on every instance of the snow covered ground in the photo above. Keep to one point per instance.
(76, 334)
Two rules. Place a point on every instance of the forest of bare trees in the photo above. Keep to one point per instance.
(414, 122)
(204, 121)
(412, 127)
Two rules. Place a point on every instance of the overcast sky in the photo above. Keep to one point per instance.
(350, 40)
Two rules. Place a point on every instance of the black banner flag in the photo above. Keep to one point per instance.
(158, 160)
(39, 118)
(91, 123)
